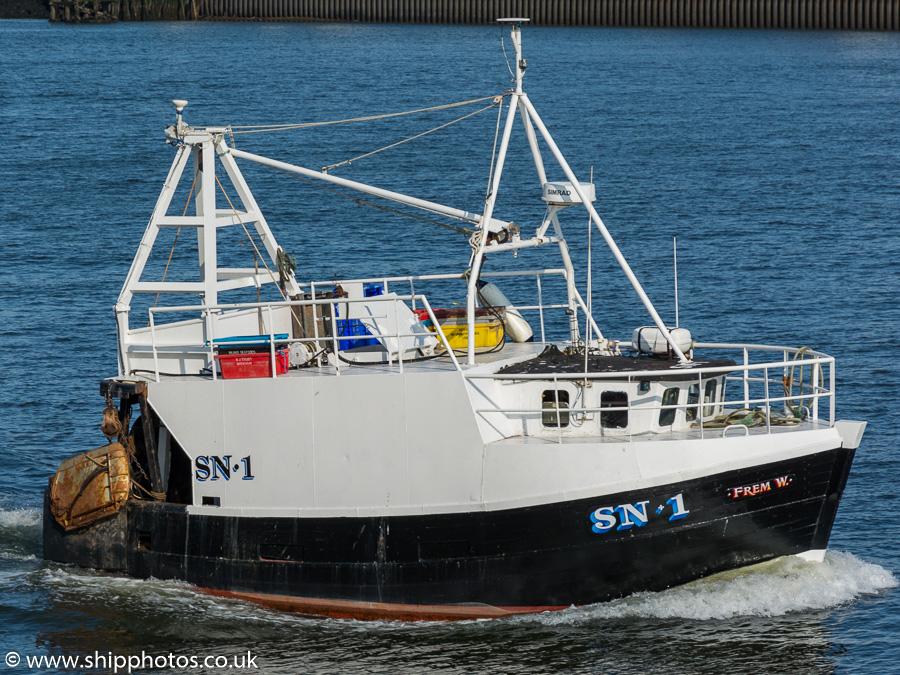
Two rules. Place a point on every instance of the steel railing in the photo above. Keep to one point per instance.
(540, 307)
(209, 345)
(207, 312)
(749, 374)
(810, 392)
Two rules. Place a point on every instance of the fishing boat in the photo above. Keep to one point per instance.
(346, 449)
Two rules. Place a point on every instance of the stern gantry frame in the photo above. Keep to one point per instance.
(205, 146)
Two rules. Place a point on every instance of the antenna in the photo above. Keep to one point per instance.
(180, 105)
(587, 319)
(515, 34)
(675, 258)
(179, 108)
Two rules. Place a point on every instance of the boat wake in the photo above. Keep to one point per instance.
(784, 586)
(770, 589)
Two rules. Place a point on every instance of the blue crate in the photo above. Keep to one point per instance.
(373, 289)
(354, 327)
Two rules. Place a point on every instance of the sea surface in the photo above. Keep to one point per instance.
(771, 156)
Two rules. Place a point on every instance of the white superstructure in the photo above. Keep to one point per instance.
(404, 426)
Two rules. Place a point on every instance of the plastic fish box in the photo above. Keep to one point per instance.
(487, 334)
(488, 326)
(245, 344)
(243, 366)
(353, 328)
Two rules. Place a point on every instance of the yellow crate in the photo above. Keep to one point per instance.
(487, 335)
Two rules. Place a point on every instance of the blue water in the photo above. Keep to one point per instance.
(772, 156)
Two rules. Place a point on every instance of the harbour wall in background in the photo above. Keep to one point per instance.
(794, 14)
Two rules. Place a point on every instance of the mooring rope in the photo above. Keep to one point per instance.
(749, 418)
(788, 381)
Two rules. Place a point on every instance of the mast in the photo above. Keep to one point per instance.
(530, 116)
(478, 258)
(610, 242)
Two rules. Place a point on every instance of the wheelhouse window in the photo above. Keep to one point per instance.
(555, 404)
(693, 399)
(614, 419)
(709, 396)
(670, 397)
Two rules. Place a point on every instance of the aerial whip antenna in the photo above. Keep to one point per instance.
(675, 258)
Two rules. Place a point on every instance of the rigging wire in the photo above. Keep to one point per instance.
(175, 241)
(475, 240)
(495, 101)
(326, 169)
(487, 192)
(263, 128)
(238, 218)
(284, 295)
(503, 47)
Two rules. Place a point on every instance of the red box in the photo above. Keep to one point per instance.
(242, 366)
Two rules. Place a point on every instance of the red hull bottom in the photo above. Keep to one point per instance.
(367, 611)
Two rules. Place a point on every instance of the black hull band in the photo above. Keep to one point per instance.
(478, 563)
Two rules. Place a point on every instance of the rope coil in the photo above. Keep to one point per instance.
(749, 418)
(800, 409)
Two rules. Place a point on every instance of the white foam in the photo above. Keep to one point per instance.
(779, 587)
(785, 585)
(177, 598)
(18, 557)
(20, 518)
